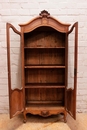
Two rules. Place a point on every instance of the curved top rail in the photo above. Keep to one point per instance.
(44, 19)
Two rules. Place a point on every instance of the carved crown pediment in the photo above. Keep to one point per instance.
(44, 19)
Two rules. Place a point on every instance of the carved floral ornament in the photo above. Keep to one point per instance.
(44, 13)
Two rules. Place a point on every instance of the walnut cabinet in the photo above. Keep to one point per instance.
(44, 68)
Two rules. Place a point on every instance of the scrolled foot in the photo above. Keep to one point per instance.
(65, 120)
(24, 121)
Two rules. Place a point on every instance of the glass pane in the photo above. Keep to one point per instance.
(15, 60)
(71, 52)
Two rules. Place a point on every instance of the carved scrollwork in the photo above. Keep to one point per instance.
(44, 13)
(44, 113)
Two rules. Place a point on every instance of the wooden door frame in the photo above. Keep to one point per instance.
(13, 94)
(73, 91)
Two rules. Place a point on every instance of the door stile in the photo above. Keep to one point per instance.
(75, 64)
(23, 57)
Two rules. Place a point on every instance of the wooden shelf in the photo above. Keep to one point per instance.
(44, 47)
(59, 102)
(45, 105)
(44, 85)
(43, 67)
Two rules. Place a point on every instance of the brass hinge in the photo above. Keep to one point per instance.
(75, 71)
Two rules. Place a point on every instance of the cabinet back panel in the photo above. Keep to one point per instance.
(45, 76)
(47, 37)
(44, 56)
(44, 94)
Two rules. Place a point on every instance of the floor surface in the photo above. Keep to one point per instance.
(80, 123)
(33, 123)
(40, 123)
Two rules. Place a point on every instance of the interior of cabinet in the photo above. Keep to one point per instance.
(44, 67)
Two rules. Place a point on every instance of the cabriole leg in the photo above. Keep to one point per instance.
(65, 114)
(25, 118)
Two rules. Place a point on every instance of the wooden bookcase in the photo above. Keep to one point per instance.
(44, 56)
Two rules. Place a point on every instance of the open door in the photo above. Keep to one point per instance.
(72, 70)
(15, 93)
